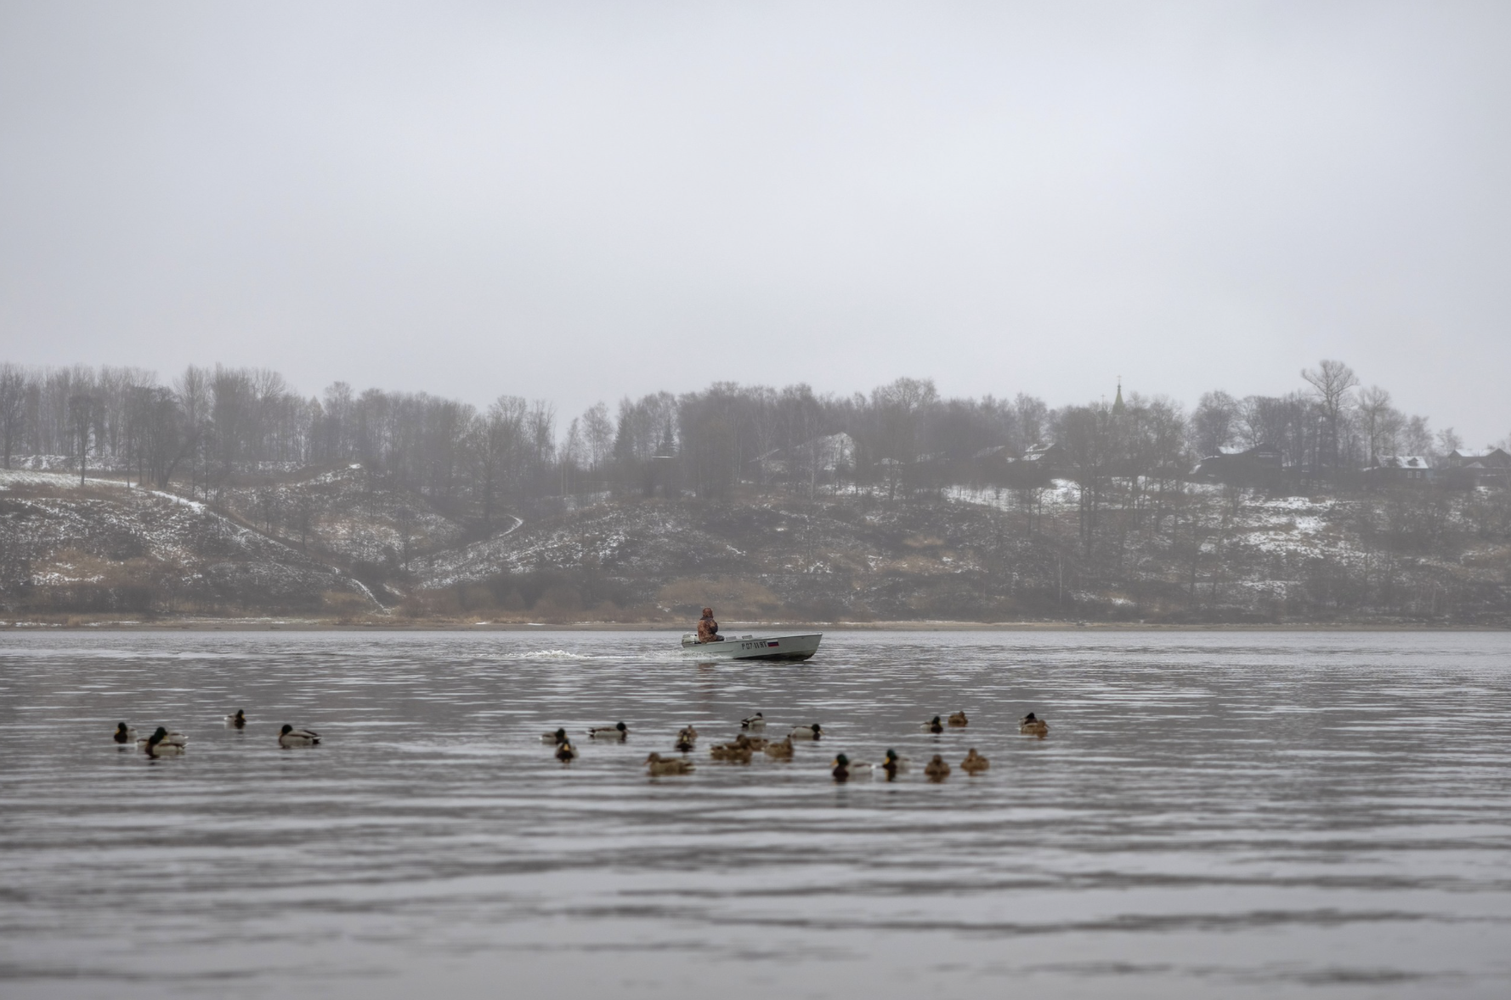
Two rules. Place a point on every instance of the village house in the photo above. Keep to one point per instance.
(1467, 469)
(1256, 466)
(826, 458)
(1396, 469)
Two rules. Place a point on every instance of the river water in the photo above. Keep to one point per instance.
(1261, 814)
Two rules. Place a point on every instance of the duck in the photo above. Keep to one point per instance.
(958, 719)
(618, 731)
(974, 763)
(688, 734)
(934, 725)
(239, 720)
(1032, 725)
(781, 751)
(841, 770)
(566, 752)
(683, 744)
(813, 732)
(123, 733)
(162, 738)
(757, 721)
(160, 744)
(738, 751)
(288, 736)
(560, 736)
(936, 769)
(891, 766)
(655, 765)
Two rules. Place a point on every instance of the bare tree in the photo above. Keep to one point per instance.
(1417, 436)
(1214, 422)
(1449, 441)
(571, 455)
(1379, 422)
(500, 448)
(13, 386)
(1331, 381)
(83, 419)
(598, 436)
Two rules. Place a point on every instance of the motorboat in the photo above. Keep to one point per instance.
(795, 646)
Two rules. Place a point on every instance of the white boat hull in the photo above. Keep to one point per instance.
(796, 646)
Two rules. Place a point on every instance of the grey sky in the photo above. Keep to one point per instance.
(579, 201)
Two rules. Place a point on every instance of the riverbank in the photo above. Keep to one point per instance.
(730, 628)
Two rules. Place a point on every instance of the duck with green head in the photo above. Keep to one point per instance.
(891, 766)
(841, 770)
(123, 733)
(160, 744)
(163, 737)
(288, 736)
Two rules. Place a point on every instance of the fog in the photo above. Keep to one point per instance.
(586, 201)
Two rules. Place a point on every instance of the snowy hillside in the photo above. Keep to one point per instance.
(340, 544)
(107, 547)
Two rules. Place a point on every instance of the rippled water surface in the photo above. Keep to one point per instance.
(1236, 814)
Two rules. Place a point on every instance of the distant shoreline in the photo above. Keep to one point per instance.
(730, 628)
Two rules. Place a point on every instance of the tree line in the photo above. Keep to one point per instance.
(208, 425)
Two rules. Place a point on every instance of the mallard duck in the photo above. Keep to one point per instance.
(617, 731)
(934, 725)
(560, 736)
(675, 765)
(687, 735)
(958, 719)
(891, 766)
(162, 738)
(781, 751)
(738, 751)
(161, 743)
(936, 769)
(974, 763)
(683, 745)
(757, 721)
(123, 733)
(1032, 725)
(813, 732)
(756, 742)
(288, 736)
(566, 752)
(841, 770)
(238, 721)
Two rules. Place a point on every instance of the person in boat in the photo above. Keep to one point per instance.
(708, 629)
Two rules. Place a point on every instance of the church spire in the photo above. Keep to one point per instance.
(1117, 404)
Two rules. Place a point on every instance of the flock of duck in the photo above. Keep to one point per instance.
(751, 741)
(163, 743)
(741, 750)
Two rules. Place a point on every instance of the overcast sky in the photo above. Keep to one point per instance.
(583, 201)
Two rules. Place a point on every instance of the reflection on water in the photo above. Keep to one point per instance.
(1266, 814)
